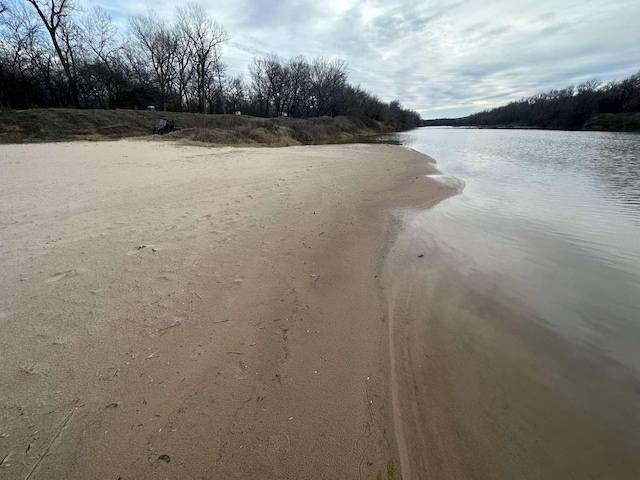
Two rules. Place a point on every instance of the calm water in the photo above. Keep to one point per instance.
(551, 220)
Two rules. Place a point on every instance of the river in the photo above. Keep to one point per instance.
(554, 218)
(548, 224)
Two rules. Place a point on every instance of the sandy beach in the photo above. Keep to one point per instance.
(175, 311)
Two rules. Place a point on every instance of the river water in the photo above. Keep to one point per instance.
(515, 308)
(551, 219)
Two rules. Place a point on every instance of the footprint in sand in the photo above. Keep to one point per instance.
(276, 449)
(65, 274)
(144, 248)
(196, 352)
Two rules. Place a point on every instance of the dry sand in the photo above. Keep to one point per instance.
(184, 312)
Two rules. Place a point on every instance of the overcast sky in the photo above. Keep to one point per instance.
(440, 58)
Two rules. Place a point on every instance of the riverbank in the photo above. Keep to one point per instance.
(180, 311)
(605, 122)
(63, 124)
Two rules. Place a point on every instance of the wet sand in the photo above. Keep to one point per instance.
(483, 389)
(183, 312)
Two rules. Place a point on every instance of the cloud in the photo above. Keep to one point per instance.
(461, 56)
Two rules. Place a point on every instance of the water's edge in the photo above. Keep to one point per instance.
(480, 388)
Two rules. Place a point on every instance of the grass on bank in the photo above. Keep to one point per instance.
(620, 122)
(56, 125)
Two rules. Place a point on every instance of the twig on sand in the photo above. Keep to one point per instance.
(177, 324)
(367, 428)
(62, 425)
(221, 321)
(160, 299)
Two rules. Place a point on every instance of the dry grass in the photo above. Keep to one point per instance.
(621, 122)
(54, 125)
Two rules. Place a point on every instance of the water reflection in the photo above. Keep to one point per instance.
(552, 218)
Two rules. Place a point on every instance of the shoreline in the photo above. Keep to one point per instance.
(405, 443)
(173, 310)
(485, 390)
(24, 127)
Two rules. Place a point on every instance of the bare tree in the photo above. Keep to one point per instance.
(27, 54)
(17, 35)
(52, 57)
(298, 87)
(99, 33)
(205, 39)
(159, 44)
(236, 93)
(589, 86)
(216, 92)
(183, 67)
(53, 14)
(278, 77)
(328, 78)
(103, 57)
(261, 88)
(274, 84)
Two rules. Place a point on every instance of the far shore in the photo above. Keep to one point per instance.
(186, 312)
(628, 122)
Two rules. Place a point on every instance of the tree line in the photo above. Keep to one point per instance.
(570, 108)
(53, 54)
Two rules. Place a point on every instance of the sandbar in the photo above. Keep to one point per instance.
(172, 311)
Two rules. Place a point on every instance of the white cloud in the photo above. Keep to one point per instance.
(439, 59)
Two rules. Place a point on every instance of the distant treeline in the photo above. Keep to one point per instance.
(615, 105)
(52, 54)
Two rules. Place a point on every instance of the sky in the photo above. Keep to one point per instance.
(445, 58)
